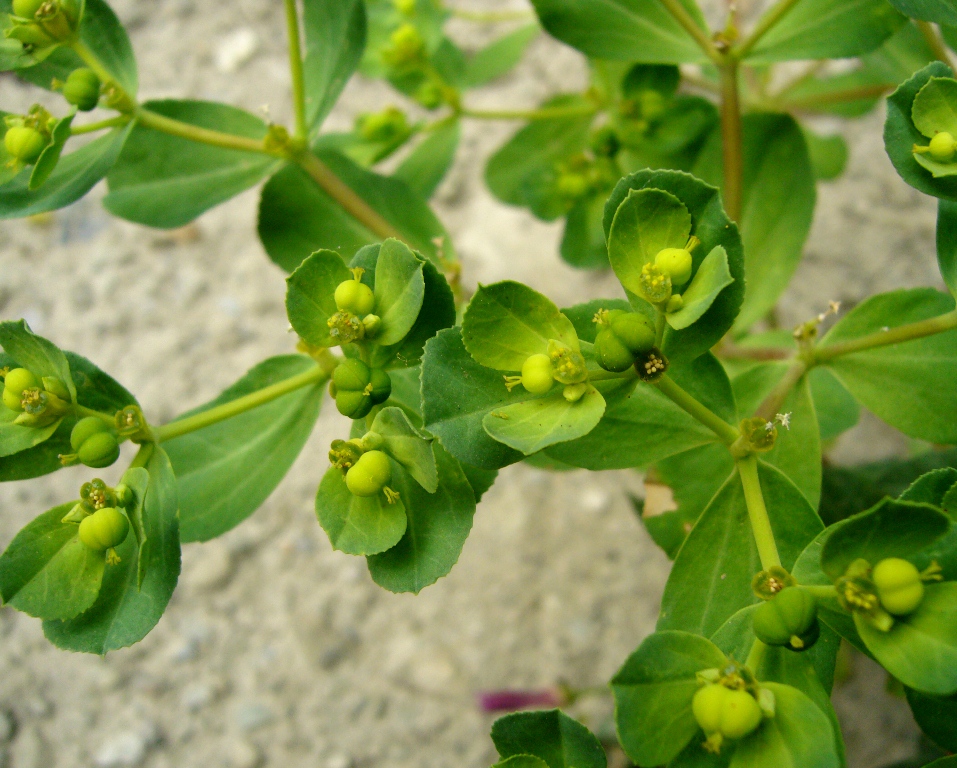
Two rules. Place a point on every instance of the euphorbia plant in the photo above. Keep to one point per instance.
(683, 167)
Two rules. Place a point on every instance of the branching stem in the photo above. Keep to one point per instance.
(113, 122)
(771, 404)
(933, 39)
(758, 512)
(681, 15)
(667, 386)
(546, 113)
(772, 17)
(901, 333)
(731, 140)
(295, 69)
(316, 375)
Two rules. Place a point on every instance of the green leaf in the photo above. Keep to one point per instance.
(47, 571)
(920, 650)
(798, 736)
(103, 33)
(828, 154)
(936, 716)
(908, 384)
(74, 176)
(583, 241)
(335, 33)
(505, 323)
(124, 612)
(535, 424)
(777, 208)
(167, 181)
(646, 221)
(521, 761)
(837, 410)
(297, 218)
(653, 692)
(713, 228)
(438, 525)
(426, 165)
(935, 107)
(407, 445)
(524, 171)
(50, 156)
(225, 471)
(719, 557)
(827, 29)
(438, 312)
(457, 393)
(900, 135)
(647, 427)
(552, 736)
(797, 451)
(137, 480)
(499, 57)
(310, 296)
(892, 529)
(626, 30)
(937, 11)
(399, 291)
(947, 243)
(358, 525)
(944, 762)
(712, 277)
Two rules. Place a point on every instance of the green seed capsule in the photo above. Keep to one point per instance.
(633, 330)
(538, 374)
(942, 147)
(381, 386)
(104, 529)
(899, 586)
(99, 450)
(82, 87)
(27, 9)
(788, 619)
(351, 375)
(14, 384)
(24, 144)
(612, 354)
(354, 296)
(675, 262)
(355, 405)
(370, 474)
(85, 429)
(731, 713)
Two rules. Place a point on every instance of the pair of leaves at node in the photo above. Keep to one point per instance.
(653, 693)
(368, 525)
(546, 739)
(920, 649)
(646, 31)
(86, 604)
(412, 300)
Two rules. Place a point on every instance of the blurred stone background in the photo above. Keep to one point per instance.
(275, 650)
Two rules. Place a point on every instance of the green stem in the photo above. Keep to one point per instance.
(809, 103)
(758, 512)
(901, 333)
(769, 19)
(191, 132)
(820, 591)
(546, 113)
(339, 191)
(660, 324)
(756, 655)
(667, 386)
(628, 373)
(295, 69)
(933, 39)
(731, 140)
(143, 456)
(681, 15)
(82, 410)
(771, 405)
(242, 404)
(113, 122)
(491, 17)
(90, 59)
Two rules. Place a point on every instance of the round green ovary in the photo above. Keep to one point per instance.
(26, 9)
(355, 405)
(538, 374)
(24, 144)
(381, 386)
(635, 331)
(942, 147)
(677, 263)
(82, 88)
(732, 713)
(791, 613)
(899, 586)
(370, 474)
(99, 450)
(708, 707)
(351, 375)
(104, 529)
(355, 297)
(612, 354)
(15, 382)
(85, 429)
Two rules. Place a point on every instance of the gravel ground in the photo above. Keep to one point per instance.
(275, 650)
